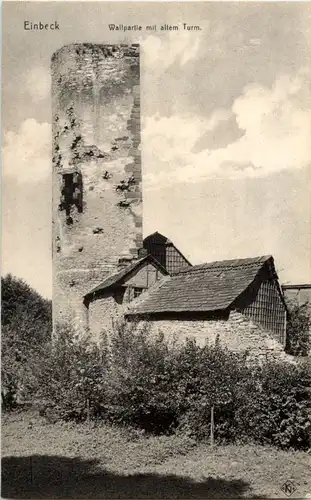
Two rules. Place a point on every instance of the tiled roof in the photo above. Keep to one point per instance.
(123, 273)
(205, 287)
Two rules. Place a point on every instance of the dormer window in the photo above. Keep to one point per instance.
(137, 292)
(133, 292)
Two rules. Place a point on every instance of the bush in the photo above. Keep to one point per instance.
(274, 405)
(216, 386)
(298, 329)
(72, 380)
(26, 320)
(19, 361)
(143, 381)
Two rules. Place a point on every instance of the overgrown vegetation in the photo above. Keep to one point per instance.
(72, 378)
(142, 381)
(26, 320)
(298, 329)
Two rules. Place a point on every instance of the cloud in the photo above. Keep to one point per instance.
(167, 144)
(276, 127)
(274, 123)
(26, 154)
(172, 47)
(38, 83)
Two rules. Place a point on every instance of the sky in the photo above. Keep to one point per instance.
(226, 128)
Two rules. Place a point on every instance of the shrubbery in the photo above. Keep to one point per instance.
(298, 328)
(143, 381)
(275, 406)
(26, 320)
(72, 379)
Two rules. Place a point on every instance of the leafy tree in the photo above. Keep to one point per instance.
(26, 319)
(27, 315)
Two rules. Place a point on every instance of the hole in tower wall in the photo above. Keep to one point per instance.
(71, 194)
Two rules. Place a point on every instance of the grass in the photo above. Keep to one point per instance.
(41, 460)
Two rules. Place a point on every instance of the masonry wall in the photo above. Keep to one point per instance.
(97, 203)
(103, 313)
(109, 306)
(237, 333)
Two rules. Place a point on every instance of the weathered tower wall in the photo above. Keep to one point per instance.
(97, 202)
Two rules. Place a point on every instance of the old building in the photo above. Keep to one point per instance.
(97, 201)
(238, 302)
(107, 302)
(157, 259)
(102, 268)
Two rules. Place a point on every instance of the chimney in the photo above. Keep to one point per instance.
(124, 262)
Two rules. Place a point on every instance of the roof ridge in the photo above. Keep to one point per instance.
(122, 273)
(204, 289)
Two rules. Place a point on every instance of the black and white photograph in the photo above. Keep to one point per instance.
(156, 250)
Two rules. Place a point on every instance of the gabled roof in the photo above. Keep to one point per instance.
(206, 287)
(118, 278)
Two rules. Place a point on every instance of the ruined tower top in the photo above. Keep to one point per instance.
(97, 203)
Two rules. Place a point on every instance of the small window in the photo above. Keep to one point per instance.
(133, 292)
(137, 292)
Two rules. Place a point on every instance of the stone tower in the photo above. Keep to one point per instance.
(97, 201)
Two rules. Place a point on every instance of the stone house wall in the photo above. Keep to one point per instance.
(237, 333)
(110, 305)
(103, 313)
